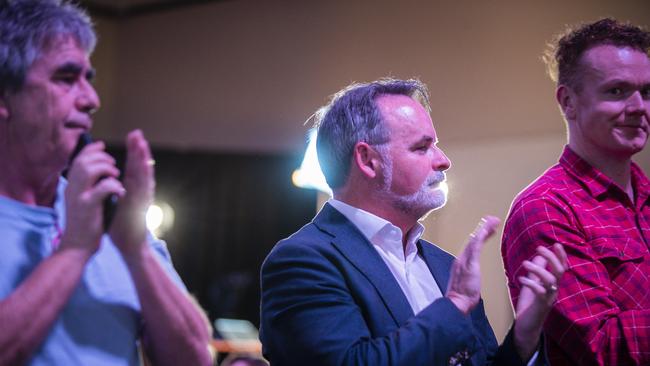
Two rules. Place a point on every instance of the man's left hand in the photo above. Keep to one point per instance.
(128, 229)
(537, 296)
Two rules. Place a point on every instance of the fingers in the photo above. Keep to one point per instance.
(557, 259)
(105, 188)
(92, 164)
(139, 153)
(537, 271)
(94, 151)
(484, 230)
(93, 146)
(95, 171)
(539, 262)
(139, 173)
(545, 270)
(533, 285)
(561, 254)
(464, 287)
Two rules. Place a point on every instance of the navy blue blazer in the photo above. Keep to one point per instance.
(329, 299)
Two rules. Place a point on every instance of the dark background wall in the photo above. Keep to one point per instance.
(230, 209)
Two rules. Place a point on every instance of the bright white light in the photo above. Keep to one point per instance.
(160, 218)
(154, 217)
(309, 175)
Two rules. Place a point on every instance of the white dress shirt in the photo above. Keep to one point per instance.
(406, 264)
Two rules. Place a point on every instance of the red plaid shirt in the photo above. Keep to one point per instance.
(602, 314)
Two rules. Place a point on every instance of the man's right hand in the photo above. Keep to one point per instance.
(464, 288)
(91, 178)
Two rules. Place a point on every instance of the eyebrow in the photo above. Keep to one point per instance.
(425, 139)
(624, 82)
(75, 68)
(616, 82)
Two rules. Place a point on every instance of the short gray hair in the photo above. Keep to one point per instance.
(352, 116)
(25, 28)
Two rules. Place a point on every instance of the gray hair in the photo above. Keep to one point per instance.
(352, 116)
(25, 28)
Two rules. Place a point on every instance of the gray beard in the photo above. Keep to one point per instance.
(419, 203)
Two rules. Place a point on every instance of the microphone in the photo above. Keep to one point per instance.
(110, 202)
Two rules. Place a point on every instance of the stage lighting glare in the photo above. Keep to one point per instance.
(154, 217)
(159, 218)
(309, 175)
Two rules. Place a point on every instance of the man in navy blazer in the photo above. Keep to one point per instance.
(357, 285)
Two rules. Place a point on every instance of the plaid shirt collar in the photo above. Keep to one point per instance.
(598, 183)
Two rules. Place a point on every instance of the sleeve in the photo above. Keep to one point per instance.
(159, 248)
(310, 317)
(586, 323)
(506, 354)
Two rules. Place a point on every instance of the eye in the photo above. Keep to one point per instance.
(421, 149)
(90, 76)
(66, 78)
(615, 91)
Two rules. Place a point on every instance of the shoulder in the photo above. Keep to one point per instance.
(553, 179)
(540, 213)
(554, 187)
(308, 239)
(309, 247)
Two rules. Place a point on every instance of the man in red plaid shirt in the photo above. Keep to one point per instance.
(595, 201)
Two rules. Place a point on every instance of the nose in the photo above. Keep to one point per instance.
(440, 161)
(87, 100)
(636, 103)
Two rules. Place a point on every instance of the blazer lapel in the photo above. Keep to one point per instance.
(360, 252)
(436, 263)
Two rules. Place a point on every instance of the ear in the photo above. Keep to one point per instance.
(567, 100)
(366, 159)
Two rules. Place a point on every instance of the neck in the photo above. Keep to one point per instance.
(379, 206)
(25, 181)
(616, 167)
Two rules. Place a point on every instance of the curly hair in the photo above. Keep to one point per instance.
(563, 56)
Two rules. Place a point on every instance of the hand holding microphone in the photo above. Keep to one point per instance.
(110, 202)
(91, 194)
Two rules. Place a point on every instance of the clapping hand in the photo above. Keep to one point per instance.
(128, 230)
(538, 293)
(464, 288)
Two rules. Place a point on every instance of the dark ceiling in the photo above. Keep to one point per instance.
(130, 8)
